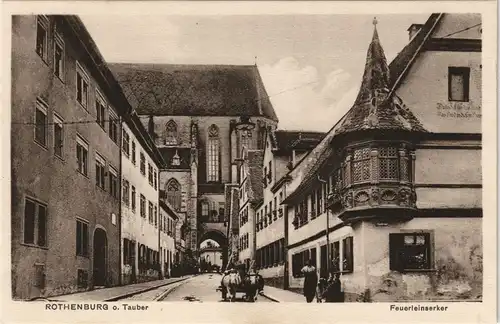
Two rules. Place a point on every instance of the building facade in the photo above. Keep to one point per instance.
(169, 220)
(283, 151)
(194, 113)
(401, 175)
(140, 228)
(65, 153)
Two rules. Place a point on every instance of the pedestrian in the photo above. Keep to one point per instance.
(333, 292)
(310, 281)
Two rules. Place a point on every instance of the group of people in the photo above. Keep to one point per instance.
(325, 289)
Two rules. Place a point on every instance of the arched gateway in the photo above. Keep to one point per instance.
(218, 236)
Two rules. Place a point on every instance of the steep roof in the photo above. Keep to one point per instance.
(194, 90)
(284, 140)
(166, 207)
(375, 107)
(397, 69)
(255, 160)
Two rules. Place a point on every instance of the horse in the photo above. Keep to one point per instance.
(229, 283)
(252, 286)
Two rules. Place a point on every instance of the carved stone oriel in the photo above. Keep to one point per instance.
(388, 195)
(404, 196)
(375, 196)
(361, 198)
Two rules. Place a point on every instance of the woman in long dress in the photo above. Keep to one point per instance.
(310, 281)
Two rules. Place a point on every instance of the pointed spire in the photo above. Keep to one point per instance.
(375, 107)
(376, 75)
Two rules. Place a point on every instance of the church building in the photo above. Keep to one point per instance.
(200, 117)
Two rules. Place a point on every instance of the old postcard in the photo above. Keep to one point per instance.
(249, 162)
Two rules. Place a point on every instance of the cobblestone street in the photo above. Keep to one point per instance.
(202, 289)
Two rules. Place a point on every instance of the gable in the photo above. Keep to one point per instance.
(468, 24)
(425, 87)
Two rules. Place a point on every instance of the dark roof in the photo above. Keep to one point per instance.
(194, 90)
(285, 140)
(168, 153)
(255, 161)
(397, 70)
(415, 25)
(166, 207)
(375, 108)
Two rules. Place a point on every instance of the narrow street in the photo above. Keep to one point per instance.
(202, 288)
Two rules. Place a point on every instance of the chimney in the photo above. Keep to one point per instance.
(414, 29)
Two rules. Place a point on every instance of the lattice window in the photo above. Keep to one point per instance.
(213, 154)
(361, 165)
(388, 163)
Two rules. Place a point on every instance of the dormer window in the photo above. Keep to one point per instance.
(176, 160)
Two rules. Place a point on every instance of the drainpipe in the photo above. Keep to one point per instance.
(286, 271)
(120, 172)
(326, 231)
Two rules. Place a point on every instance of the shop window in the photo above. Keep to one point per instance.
(410, 251)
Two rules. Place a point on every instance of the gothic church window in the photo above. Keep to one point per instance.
(213, 154)
(173, 192)
(171, 133)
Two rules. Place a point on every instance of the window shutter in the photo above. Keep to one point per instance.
(396, 242)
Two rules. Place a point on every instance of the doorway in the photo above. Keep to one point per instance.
(100, 251)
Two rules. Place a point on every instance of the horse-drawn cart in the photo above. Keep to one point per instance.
(237, 280)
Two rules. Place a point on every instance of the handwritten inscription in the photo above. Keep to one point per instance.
(459, 110)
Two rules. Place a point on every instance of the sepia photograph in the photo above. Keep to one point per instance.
(251, 158)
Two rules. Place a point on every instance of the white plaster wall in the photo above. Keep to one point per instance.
(432, 166)
(425, 92)
(134, 227)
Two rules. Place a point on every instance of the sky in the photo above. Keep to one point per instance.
(311, 65)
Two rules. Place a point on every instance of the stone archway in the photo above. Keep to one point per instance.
(220, 238)
(100, 247)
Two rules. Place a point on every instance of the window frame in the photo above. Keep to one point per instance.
(171, 133)
(99, 159)
(395, 263)
(43, 107)
(114, 185)
(80, 141)
(58, 122)
(36, 223)
(85, 248)
(463, 71)
(100, 102)
(133, 198)
(126, 192)
(214, 152)
(84, 76)
(133, 157)
(43, 22)
(113, 125)
(125, 143)
(58, 41)
(142, 206)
